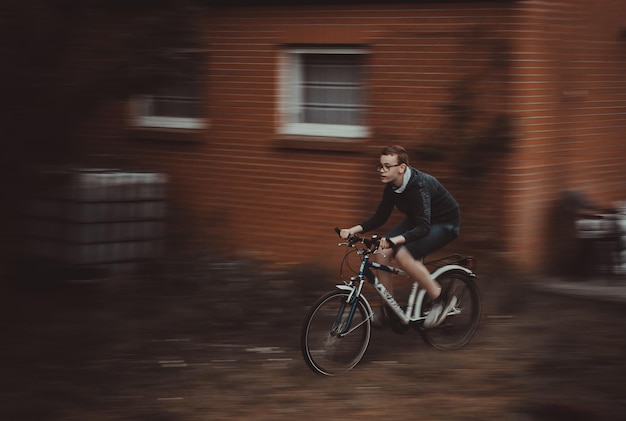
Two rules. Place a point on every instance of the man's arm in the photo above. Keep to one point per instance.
(346, 232)
(383, 211)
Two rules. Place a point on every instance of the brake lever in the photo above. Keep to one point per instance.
(377, 251)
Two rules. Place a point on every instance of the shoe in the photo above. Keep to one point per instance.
(439, 310)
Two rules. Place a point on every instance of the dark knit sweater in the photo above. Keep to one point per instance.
(424, 201)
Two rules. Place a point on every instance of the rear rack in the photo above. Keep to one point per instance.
(454, 259)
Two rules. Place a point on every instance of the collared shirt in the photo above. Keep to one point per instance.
(405, 181)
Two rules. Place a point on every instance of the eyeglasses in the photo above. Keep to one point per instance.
(386, 167)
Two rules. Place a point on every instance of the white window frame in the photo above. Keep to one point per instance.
(142, 106)
(291, 75)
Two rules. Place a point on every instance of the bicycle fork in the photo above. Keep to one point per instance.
(346, 327)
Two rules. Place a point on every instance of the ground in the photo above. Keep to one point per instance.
(222, 342)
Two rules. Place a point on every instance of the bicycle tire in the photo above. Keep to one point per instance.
(323, 350)
(457, 329)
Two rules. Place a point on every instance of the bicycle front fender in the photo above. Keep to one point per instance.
(448, 268)
(348, 288)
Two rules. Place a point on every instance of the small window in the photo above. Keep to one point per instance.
(176, 106)
(322, 92)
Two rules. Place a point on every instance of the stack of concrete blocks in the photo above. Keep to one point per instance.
(112, 220)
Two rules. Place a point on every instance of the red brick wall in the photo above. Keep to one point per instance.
(520, 59)
(568, 89)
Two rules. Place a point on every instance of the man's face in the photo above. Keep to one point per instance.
(390, 170)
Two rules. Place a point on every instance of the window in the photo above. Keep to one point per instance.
(176, 106)
(322, 93)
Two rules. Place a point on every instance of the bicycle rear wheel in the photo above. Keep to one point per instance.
(461, 324)
(326, 351)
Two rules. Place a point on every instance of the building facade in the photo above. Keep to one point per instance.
(509, 103)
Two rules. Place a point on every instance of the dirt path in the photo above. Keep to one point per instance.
(118, 353)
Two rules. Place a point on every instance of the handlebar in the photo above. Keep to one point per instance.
(353, 239)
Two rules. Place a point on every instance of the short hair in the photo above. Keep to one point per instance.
(403, 156)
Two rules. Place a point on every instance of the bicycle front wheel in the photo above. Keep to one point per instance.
(461, 323)
(325, 348)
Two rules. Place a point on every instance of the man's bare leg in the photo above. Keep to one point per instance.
(385, 258)
(441, 304)
(418, 272)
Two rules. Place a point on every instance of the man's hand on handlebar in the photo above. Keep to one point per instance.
(347, 234)
(385, 244)
(344, 233)
(391, 243)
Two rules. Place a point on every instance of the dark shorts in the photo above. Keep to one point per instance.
(438, 236)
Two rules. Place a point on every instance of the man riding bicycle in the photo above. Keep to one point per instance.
(432, 221)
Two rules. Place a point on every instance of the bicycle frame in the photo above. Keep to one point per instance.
(348, 314)
(415, 301)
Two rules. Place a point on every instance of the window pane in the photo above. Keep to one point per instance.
(331, 89)
(331, 116)
(176, 101)
(175, 107)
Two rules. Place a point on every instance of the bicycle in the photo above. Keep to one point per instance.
(337, 328)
